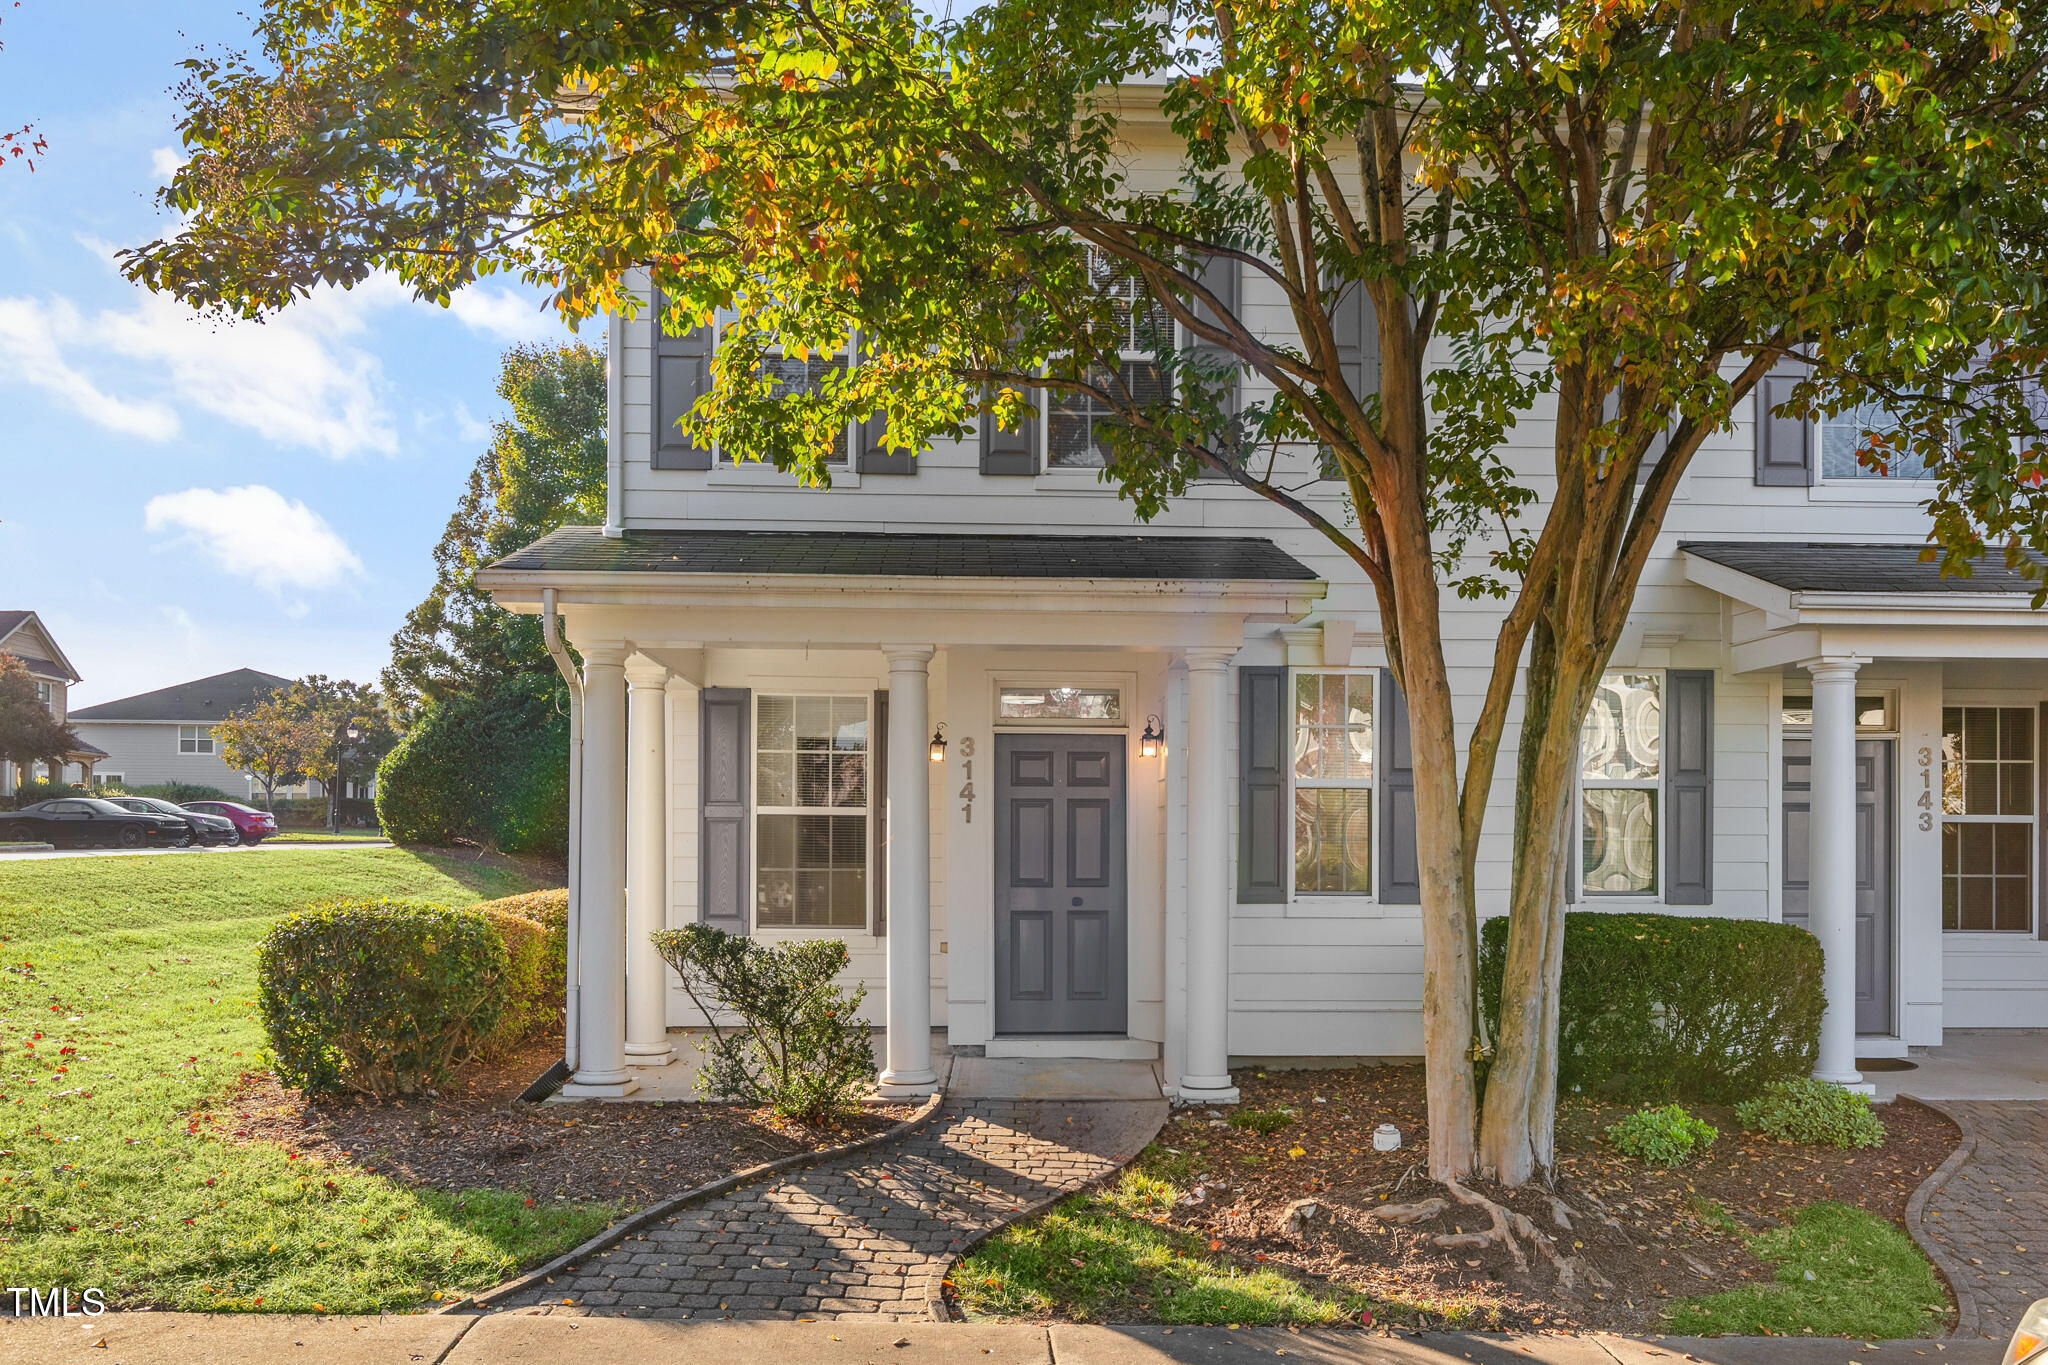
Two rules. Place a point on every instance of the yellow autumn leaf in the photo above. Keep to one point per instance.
(1297, 1151)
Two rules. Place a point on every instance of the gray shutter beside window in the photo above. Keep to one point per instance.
(2041, 781)
(876, 458)
(1262, 831)
(726, 714)
(1784, 442)
(1689, 787)
(878, 808)
(1008, 452)
(1400, 869)
(1355, 326)
(1221, 276)
(682, 373)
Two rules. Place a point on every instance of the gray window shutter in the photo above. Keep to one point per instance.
(1400, 869)
(1009, 452)
(726, 714)
(682, 373)
(2041, 777)
(1784, 442)
(1222, 276)
(876, 458)
(878, 808)
(1689, 787)
(1262, 820)
(1355, 327)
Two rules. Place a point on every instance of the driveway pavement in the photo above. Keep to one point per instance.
(518, 1339)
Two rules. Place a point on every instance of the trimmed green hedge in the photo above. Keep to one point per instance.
(1658, 1007)
(491, 769)
(382, 997)
(535, 928)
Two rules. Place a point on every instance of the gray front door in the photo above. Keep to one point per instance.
(1873, 868)
(1061, 901)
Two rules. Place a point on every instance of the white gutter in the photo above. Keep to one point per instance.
(572, 986)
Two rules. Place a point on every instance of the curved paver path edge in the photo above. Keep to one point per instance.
(1952, 1270)
(654, 1213)
(935, 1293)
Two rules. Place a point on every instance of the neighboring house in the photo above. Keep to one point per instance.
(167, 735)
(23, 634)
(1061, 883)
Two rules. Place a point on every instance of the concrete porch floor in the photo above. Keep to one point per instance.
(1973, 1064)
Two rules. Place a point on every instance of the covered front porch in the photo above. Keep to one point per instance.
(1907, 774)
(999, 767)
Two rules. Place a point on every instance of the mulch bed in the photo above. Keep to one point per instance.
(478, 1133)
(1642, 1230)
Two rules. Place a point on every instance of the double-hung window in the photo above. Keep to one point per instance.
(195, 739)
(1988, 817)
(47, 695)
(1076, 422)
(1333, 773)
(795, 376)
(1621, 768)
(811, 812)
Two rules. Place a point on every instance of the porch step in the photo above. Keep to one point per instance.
(1067, 1045)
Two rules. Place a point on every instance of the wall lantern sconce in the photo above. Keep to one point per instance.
(1151, 742)
(939, 743)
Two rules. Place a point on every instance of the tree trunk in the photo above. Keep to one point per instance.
(1517, 1137)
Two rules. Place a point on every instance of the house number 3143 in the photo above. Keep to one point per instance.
(967, 771)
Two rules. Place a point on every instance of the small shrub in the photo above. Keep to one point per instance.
(1811, 1111)
(530, 1006)
(802, 1052)
(550, 910)
(489, 769)
(382, 997)
(1689, 1007)
(1664, 1136)
(1262, 1120)
(178, 793)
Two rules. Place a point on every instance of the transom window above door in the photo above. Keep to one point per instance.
(811, 812)
(1989, 804)
(1071, 705)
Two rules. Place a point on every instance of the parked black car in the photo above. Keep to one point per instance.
(205, 829)
(83, 821)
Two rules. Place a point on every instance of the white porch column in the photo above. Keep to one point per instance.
(1207, 1078)
(601, 918)
(908, 1070)
(1831, 863)
(647, 1041)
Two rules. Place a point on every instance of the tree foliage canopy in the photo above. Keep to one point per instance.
(29, 733)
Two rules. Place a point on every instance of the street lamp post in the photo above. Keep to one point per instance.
(336, 787)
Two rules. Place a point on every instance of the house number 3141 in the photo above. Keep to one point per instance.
(967, 771)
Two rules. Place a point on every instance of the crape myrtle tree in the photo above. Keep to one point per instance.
(1619, 214)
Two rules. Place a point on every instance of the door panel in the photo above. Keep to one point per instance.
(1061, 898)
(1874, 901)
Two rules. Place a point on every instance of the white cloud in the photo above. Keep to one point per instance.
(468, 426)
(505, 314)
(31, 337)
(165, 161)
(257, 533)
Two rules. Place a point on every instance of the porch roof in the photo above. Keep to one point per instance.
(1882, 568)
(586, 549)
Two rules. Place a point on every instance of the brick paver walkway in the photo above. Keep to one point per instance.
(869, 1234)
(1986, 1224)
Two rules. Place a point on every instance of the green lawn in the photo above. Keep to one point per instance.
(1842, 1272)
(126, 1003)
(321, 836)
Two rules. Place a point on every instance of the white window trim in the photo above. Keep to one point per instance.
(109, 779)
(761, 474)
(1057, 476)
(1336, 902)
(205, 737)
(1866, 488)
(1125, 685)
(2030, 701)
(1618, 900)
(755, 810)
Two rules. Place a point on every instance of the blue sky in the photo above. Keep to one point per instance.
(178, 498)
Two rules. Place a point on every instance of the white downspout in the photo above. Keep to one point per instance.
(572, 988)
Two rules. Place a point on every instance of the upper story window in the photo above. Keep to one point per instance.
(195, 739)
(1621, 770)
(1841, 436)
(1333, 775)
(811, 812)
(1075, 422)
(793, 376)
(1988, 818)
(47, 695)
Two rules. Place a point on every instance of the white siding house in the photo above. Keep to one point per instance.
(765, 667)
(166, 736)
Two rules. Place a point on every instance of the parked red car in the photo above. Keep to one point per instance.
(253, 825)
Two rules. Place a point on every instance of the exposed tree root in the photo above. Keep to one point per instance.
(1510, 1230)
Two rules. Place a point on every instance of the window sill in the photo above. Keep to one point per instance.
(1336, 905)
(1895, 492)
(755, 475)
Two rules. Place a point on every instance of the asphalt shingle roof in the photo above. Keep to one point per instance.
(1888, 568)
(586, 549)
(9, 620)
(201, 700)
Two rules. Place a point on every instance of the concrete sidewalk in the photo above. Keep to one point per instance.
(521, 1339)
